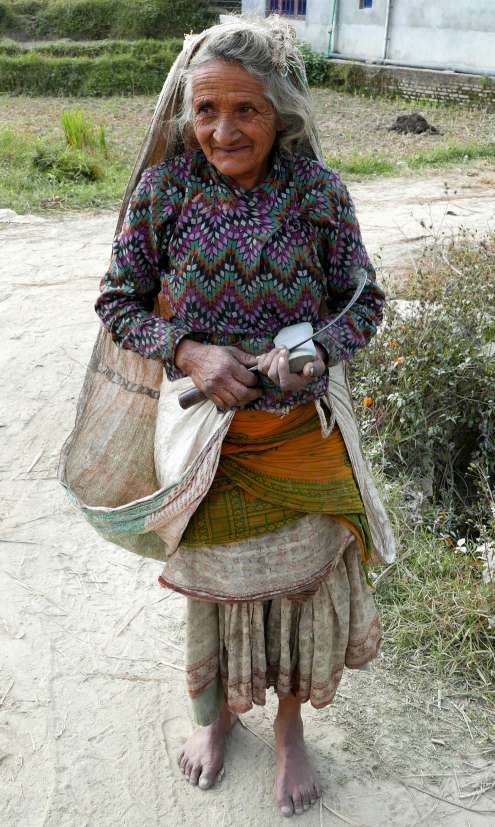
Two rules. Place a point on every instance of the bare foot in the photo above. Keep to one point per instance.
(296, 785)
(201, 757)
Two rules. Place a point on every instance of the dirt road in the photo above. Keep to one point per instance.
(92, 707)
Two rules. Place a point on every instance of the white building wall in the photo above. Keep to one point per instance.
(359, 32)
(459, 34)
(441, 33)
(314, 30)
(438, 33)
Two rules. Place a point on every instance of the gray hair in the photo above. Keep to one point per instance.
(266, 49)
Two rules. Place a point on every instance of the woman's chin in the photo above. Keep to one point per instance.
(232, 167)
(235, 167)
(246, 178)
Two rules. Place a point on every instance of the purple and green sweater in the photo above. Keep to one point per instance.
(236, 265)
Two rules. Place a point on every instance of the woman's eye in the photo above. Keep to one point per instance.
(246, 107)
(204, 109)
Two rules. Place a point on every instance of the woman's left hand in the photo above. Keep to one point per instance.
(275, 365)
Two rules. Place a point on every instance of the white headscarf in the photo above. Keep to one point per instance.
(162, 139)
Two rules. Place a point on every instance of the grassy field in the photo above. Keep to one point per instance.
(354, 129)
(353, 126)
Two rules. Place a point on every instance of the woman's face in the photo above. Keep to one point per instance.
(234, 124)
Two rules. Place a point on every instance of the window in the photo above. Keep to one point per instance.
(365, 4)
(288, 8)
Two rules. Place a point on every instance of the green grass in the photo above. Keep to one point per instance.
(450, 154)
(434, 605)
(25, 188)
(362, 165)
(442, 156)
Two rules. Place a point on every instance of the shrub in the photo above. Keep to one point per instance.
(7, 18)
(87, 19)
(33, 74)
(141, 49)
(426, 384)
(28, 7)
(162, 18)
(317, 66)
(131, 19)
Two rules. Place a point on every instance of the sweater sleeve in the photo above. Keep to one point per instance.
(344, 258)
(132, 282)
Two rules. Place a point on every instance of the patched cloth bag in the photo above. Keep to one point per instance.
(136, 465)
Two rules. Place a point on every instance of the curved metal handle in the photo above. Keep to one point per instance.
(191, 397)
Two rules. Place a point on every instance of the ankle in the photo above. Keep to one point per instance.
(225, 719)
(288, 718)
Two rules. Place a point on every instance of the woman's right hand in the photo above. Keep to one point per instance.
(220, 373)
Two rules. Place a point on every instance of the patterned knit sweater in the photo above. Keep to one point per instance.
(237, 265)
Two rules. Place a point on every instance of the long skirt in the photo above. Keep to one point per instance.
(295, 643)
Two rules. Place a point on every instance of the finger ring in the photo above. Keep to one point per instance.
(311, 370)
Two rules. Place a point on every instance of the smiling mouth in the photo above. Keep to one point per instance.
(230, 150)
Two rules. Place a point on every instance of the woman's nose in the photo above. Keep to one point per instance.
(226, 131)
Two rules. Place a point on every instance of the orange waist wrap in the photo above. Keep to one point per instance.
(274, 469)
(290, 446)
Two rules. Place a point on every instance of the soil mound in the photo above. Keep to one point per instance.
(413, 124)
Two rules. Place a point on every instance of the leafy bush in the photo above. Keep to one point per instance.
(130, 19)
(33, 74)
(162, 18)
(7, 18)
(317, 66)
(99, 19)
(87, 19)
(28, 7)
(426, 384)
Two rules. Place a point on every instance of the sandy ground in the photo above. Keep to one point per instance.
(92, 706)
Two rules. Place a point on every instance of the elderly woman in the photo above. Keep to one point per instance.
(240, 235)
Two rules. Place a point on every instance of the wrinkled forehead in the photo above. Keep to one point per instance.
(224, 78)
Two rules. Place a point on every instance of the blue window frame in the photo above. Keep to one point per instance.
(365, 4)
(288, 8)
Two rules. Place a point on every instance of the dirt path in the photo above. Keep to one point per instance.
(92, 707)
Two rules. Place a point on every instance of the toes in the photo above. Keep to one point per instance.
(298, 803)
(194, 775)
(182, 763)
(187, 768)
(180, 756)
(286, 807)
(207, 779)
(306, 799)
